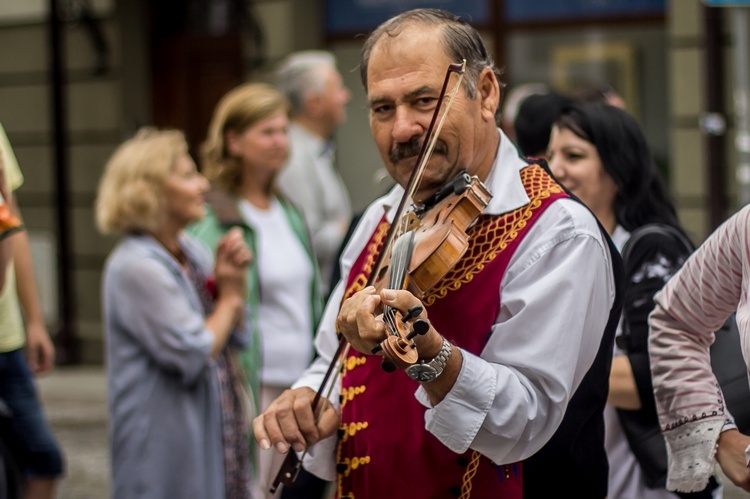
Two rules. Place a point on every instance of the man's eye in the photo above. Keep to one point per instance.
(426, 101)
(381, 109)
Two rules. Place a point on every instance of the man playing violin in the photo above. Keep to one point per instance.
(506, 398)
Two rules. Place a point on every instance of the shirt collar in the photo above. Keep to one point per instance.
(504, 182)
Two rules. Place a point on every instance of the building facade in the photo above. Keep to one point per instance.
(127, 64)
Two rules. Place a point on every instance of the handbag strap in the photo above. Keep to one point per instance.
(654, 228)
(623, 339)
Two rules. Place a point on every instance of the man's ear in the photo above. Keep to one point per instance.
(488, 90)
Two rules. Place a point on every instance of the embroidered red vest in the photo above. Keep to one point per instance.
(384, 450)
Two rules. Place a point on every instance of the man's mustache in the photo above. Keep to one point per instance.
(410, 149)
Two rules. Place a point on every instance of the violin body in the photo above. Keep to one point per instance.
(437, 239)
(441, 239)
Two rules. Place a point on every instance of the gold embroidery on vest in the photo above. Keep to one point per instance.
(348, 394)
(351, 429)
(373, 250)
(471, 470)
(354, 361)
(345, 466)
(348, 465)
(492, 234)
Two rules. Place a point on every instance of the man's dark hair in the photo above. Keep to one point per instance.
(460, 40)
(536, 115)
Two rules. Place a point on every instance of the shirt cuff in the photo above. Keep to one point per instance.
(469, 401)
(729, 424)
(320, 459)
(691, 449)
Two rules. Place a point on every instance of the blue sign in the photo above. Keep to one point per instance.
(727, 3)
(546, 10)
(346, 17)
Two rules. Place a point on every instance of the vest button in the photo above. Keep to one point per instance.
(455, 491)
(463, 462)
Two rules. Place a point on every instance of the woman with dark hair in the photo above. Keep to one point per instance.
(599, 153)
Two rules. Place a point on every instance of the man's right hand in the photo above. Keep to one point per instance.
(290, 422)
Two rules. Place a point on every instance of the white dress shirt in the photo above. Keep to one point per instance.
(557, 293)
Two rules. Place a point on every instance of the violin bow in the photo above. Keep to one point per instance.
(292, 464)
(425, 154)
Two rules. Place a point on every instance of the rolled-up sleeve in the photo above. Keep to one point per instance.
(692, 305)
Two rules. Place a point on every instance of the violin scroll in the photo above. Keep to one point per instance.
(398, 348)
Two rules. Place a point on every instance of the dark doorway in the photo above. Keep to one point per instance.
(196, 57)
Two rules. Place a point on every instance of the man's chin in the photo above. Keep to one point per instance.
(433, 177)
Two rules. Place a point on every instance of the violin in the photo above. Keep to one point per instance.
(420, 248)
(422, 256)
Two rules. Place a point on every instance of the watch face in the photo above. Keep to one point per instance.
(422, 372)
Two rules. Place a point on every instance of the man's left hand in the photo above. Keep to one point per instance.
(363, 329)
(358, 323)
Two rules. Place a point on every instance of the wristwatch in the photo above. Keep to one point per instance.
(425, 371)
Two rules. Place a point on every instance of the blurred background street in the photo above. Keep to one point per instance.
(76, 405)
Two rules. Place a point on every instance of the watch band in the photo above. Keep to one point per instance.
(428, 370)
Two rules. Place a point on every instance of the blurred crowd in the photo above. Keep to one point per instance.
(564, 346)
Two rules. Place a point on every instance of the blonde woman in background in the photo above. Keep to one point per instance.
(177, 426)
(246, 147)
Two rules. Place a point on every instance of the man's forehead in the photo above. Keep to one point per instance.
(405, 71)
(409, 38)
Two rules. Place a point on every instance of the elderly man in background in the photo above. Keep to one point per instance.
(318, 97)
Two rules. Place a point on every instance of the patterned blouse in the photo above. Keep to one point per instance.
(696, 302)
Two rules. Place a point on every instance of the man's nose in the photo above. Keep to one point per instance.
(406, 126)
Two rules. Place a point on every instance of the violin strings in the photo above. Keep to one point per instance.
(399, 256)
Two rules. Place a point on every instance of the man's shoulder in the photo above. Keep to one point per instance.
(299, 170)
(303, 144)
(564, 222)
(572, 216)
